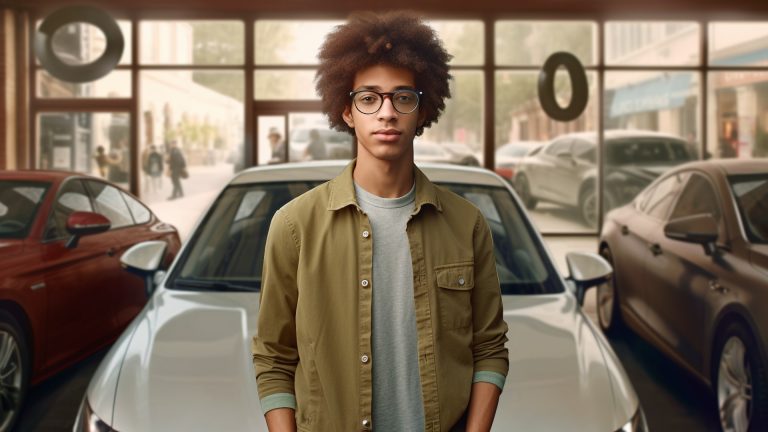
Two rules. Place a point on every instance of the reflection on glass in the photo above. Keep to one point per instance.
(117, 84)
(271, 139)
(671, 43)
(459, 130)
(738, 115)
(290, 42)
(463, 39)
(552, 165)
(738, 44)
(82, 43)
(310, 138)
(90, 143)
(192, 42)
(285, 85)
(530, 43)
(200, 113)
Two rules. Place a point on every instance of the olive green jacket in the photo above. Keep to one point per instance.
(314, 324)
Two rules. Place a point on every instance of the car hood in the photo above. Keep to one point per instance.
(187, 366)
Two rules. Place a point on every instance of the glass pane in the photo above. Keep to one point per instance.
(738, 44)
(457, 137)
(310, 138)
(192, 42)
(672, 43)
(81, 43)
(290, 42)
(464, 40)
(140, 213)
(110, 203)
(271, 139)
(697, 198)
(19, 202)
(91, 143)
(72, 197)
(117, 84)
(200, 113)
(285, 85)
(738, 115)
(530, 43)
(652, 124)
(554, 173)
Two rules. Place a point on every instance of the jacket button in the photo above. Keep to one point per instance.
(364, 283)
(366, 423)
(461, 281)
(364, 358)
(366, 234)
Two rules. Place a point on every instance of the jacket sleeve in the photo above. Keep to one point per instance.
(490, 355)
(275, 355)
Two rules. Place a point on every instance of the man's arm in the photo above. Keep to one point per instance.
(281, 420)
(482, 406)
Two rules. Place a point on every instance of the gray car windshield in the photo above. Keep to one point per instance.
(19, 202)
(751, 192)
(227, 250)
(647, 152)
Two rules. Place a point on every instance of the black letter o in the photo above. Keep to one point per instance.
(579, 86)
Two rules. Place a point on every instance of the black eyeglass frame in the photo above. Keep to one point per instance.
(382, 97)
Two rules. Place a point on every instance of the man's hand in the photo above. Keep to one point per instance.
(482, 406)
(281, 420)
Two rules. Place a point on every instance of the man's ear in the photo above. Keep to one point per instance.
(347, 116)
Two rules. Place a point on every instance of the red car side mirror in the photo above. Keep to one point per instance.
(85, 223)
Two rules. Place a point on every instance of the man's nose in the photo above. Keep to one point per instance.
(387, 110)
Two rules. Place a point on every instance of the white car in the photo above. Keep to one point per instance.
(185, 362)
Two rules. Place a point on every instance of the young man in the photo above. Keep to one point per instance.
(380, 305)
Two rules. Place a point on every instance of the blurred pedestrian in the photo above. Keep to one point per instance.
(101, 161)
(316, 147)
(277, 145)
(177, 166)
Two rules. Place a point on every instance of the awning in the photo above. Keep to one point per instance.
(664, 92)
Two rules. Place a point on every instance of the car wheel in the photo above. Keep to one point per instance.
(14, 370)
(588, 205)
(740, 381)
(524, 190)
(608, 311)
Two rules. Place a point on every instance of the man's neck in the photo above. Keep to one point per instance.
(386, 179)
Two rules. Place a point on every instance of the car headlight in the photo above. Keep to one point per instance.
(636, 424)
(87, 421)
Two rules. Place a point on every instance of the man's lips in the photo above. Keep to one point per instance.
(387, 135)
(387, 132)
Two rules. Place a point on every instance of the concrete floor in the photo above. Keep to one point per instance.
(671, 398)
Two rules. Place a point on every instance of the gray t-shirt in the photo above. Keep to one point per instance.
(397, 404)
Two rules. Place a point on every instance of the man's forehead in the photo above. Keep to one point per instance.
(384, 77)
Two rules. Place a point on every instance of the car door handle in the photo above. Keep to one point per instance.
(111, 252)
(624, 230)
(655, 249)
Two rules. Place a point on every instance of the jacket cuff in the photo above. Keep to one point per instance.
(494, 378)
(278, 400)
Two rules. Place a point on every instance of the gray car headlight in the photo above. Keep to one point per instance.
(87, 421)
(636, 424)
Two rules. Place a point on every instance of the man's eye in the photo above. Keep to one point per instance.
(367, 99)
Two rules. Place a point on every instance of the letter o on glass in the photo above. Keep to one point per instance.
(43, 44)
(579, 87)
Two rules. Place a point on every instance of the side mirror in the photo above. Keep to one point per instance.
(700, 228)
(85, 223)
(587, 270)
(144, 260)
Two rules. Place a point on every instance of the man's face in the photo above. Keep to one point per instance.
(386, 134)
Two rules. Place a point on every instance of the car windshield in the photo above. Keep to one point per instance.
(514, 151)
(751, 192)
(646, 151)
(19, 202)
(227, 250)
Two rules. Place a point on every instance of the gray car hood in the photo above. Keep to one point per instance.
(187, 366)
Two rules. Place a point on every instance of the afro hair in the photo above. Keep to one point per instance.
(399, 39)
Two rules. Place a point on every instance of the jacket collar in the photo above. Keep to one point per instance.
(343, 190)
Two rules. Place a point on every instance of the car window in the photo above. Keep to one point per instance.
(697, 197)
(751, 193)
(141, 214)
(663, 195)
(109, 202)
(229, 244)
(646, 152)
(19, 203)
(585, 151)
(559, 146)
(72, 197)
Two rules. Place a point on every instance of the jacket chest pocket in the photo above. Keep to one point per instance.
(454, 294)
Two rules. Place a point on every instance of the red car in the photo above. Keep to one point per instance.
(63, 293)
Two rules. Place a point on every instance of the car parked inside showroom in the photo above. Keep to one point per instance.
(63, 292)
(690, 255)
(565, 171)
(185, 362)
(508, 155)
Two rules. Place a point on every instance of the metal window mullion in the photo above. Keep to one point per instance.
(250, 153)
(600, 121)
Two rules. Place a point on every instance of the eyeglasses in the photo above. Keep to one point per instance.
(369, 101)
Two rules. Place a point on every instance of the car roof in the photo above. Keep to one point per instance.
(326, 170)
(730, 166)
(38, 175)
(615, 134)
